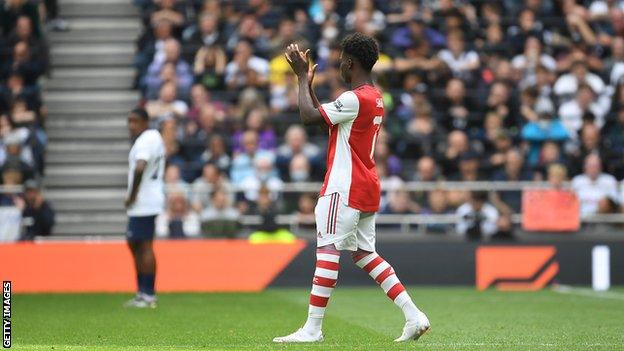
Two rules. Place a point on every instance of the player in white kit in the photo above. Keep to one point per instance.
(144, 201)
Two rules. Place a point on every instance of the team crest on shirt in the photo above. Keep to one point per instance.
(379, 102)
(338, 105)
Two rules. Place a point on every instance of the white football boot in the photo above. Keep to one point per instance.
(300, 335)
(415, 329)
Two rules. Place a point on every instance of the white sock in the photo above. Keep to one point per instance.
(405, 303)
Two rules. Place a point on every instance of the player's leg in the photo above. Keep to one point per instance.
(140, 236)
(332, 218)
(147, 267)
(382, 272)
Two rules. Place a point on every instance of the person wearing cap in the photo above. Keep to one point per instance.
(38, 216)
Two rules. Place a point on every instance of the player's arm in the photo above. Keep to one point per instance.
(136, 182)
(308, 103)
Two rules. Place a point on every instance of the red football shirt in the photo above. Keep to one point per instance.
(354, 120)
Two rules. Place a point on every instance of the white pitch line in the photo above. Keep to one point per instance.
(586, 292)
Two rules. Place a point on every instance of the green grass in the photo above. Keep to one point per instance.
(357, 319)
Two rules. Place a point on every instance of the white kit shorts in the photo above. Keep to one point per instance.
(345, 227)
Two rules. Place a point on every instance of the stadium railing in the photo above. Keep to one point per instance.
(407, 223)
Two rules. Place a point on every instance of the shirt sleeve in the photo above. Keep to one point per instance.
(344, 109)
(144, 149)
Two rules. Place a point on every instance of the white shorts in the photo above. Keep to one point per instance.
(345, 227)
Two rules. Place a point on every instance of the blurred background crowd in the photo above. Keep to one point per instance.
(24, 59)
(474, 91)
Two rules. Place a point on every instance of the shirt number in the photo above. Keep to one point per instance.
(377, 123)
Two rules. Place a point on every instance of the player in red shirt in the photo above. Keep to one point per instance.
(349, 198)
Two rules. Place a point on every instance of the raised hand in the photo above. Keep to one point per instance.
(297, 60)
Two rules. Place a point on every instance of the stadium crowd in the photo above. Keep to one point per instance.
(24, 59)
(474, 90)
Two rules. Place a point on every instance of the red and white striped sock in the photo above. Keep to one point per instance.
(383, 273)
(325, 278)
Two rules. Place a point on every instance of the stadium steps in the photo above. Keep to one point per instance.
(76, 54)
(91, 79)
(88, 97)
(98, 30)
(106, 9)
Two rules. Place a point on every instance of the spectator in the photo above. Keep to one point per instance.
(243, 162)
(38, 217)
(269, 231)
(510, 202)
(167, 105)
(463, 63)
(426, 170)
(399, 202)
(593, 186)
(220, 219)
(546, 128)
(296, 143)
(211, 179)
(209, 67)
(305, 211)
(245, 69)
(178, 221)
(256, 122)
(583, 108)
(437, 204)
(457, 144)
(569, 84)
(216, 154)
(557, 174)
(264, 175)
(477, 218)
(178, 70)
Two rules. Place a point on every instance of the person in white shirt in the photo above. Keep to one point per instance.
(568, 84)
(144, 201)
(460, 61)
(179, 221)
(571, 113)
(593, 186)
(477, 218)
(245, 69)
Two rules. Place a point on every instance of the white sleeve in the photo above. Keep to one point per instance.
(144, 149)
(344, 109)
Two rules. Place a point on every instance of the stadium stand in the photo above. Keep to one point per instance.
(515, 92)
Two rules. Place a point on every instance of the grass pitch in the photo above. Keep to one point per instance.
(357, 319)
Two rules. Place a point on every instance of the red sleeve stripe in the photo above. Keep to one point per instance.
(369, 267)
(395, 291)
(383, 275)
(318, 301)
(328, 265)
(326, 282)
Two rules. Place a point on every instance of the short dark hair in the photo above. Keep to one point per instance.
(363, 48)
(139, 111)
